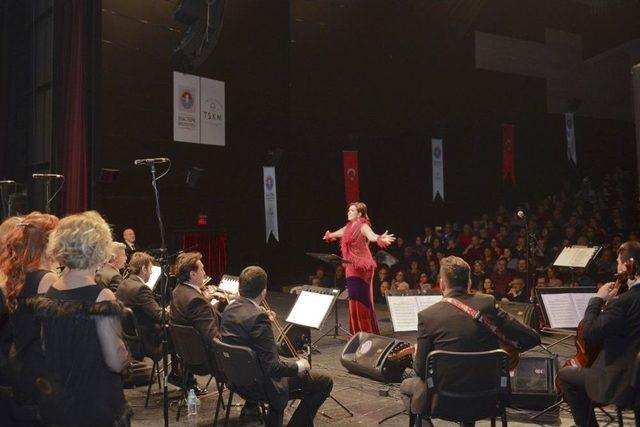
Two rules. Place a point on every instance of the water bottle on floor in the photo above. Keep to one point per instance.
(192, 405)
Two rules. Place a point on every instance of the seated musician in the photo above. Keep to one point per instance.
(444, 326)
(189, 305)
(245, 323)
(617, 330)
(109, 274)
(134, 294)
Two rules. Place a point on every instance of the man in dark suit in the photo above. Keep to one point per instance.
(443, 326)
(109, 275)
(129, 237)
(617, 329)
(134, 294)
(245, 323)
(189, 306)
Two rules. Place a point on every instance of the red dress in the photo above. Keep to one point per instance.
(359, 278)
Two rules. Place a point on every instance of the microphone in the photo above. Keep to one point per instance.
(7, 182)
(521, 214)
(139, 162)
(47, 175)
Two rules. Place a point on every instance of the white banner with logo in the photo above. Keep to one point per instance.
(571, 137)
(437, 166)
(186, 108)
(212, 112)
(198, 110)
(270, 202)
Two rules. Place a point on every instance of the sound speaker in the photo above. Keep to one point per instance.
(523, 312)
(367, 355)
(533, 384)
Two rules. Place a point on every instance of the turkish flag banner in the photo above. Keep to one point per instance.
(351, 176)
(508, 153)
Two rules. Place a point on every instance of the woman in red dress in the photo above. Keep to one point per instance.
(354, 243)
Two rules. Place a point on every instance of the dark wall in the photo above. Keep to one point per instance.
(136, 120)
(315, 78)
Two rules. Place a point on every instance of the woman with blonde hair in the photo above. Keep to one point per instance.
(26, 265)
(82, 332)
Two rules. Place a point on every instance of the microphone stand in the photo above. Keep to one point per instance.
(528, 249)
(164, 264)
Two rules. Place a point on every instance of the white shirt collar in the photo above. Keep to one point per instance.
(635, 282)
(193, 286)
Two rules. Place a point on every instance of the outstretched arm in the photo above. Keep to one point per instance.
(383, 240)
(331, 236)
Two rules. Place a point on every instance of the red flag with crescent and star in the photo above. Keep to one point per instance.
(351, 176)
(508, 153)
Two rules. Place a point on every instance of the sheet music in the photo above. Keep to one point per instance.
(425, 301)
(565, 310)
(230, 285)
(560, 310)
(155, 274)
(404, 313)
(581, 301)
(310, 309)
(575, 256)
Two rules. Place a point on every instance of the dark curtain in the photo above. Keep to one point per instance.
(72, 116)
(212, 246)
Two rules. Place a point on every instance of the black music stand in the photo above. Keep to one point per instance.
(335, 261)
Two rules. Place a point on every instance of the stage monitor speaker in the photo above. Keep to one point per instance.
(522, 311)
(533, 383)
(367, 355)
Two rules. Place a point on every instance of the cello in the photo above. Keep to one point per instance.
(587, 353)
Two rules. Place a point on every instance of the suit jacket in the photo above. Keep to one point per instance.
(243, 323)
(134, 294)
(445, 327)
(130, 250)
(617, 328)
(190, 308)
(109, 276)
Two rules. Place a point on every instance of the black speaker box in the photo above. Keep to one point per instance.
(533, 384)
(367, 355)
(523, 312)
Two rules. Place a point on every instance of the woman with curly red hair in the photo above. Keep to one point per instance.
(354, 243)
(27, 267)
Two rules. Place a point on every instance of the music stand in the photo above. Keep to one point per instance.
(576, 257)
(335, 261)
(310, 310)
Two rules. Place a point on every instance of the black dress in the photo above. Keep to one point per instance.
(26, 359)
(80, 389)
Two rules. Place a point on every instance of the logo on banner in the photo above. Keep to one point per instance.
(437, 152)
(569, 122)
(186, 98)
(213, 112)
(351, 173)
(268, 182)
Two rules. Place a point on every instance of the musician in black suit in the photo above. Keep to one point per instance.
(109, 274)
(245, 323)
(617, 329)
(129, 237)
(443, 326)
(189, 305)
(134, 294)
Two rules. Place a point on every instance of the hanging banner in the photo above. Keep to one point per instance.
(437, 166)
(351, 176)
(186, 108)
(508, 153)
(212, 112)
(270, 202)
(571, 138)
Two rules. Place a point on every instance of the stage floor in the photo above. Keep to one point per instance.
(362, 396)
